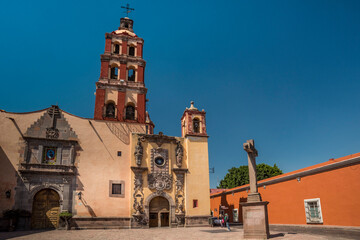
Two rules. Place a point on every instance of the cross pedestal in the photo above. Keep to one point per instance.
(255, 214)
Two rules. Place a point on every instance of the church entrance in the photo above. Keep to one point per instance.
(45, 211)
(159, 212)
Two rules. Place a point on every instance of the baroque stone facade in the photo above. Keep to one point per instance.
(111, 171)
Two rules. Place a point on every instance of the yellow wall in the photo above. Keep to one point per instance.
(197, 180)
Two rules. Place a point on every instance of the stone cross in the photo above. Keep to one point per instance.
(249, 147)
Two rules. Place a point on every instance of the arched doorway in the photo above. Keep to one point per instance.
(159, 212)
(45, 211)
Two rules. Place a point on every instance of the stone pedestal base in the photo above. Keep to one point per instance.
(255, 220)
(254, 197)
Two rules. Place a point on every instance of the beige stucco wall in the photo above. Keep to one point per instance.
(111, 95)
(97, 161)
(11, 143)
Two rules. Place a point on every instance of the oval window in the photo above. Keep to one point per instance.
(159, 161)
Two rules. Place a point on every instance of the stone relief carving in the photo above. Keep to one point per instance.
(159, 181)
(159, 139)
(179, 194)
(138, 196)
(179, 152)
(52, 133)
(159, 153)
(179, 198)
(138, 152)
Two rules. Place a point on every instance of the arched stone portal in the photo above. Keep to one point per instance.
(45, 210)
(159, 212)
(162, 204)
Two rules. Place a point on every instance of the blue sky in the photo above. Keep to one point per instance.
(285, 73)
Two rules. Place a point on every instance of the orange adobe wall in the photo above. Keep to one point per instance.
(337, 188)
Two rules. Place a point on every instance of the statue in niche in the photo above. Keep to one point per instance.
(138, 153)
(179, 154)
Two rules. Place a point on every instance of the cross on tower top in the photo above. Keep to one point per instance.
(128, 9)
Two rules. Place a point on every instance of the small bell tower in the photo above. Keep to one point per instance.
(193, 122)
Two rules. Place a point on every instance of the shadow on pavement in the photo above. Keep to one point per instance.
(223, 230)
(9, 235)
(277, 235)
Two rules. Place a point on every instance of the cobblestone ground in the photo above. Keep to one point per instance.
(201, 233)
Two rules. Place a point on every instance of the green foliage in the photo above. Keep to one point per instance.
(240, 176)
(65, 214)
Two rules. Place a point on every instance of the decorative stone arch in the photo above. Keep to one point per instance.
(37, 189)
(132, 49)
(114, 70)
(131, 73)
(171, 205)
(114, 64)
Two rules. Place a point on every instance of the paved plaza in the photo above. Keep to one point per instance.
(202, 233)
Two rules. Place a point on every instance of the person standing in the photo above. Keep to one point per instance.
(226, 220)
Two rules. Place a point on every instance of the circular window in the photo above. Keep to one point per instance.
(159, 161)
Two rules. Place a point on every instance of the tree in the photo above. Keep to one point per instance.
(240, 176)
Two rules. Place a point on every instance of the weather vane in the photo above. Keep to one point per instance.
(128, 9)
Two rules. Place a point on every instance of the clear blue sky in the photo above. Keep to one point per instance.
(286, 73)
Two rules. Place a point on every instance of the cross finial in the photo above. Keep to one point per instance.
(128, 9)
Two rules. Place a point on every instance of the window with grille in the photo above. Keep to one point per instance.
(116, 188)
(313, 210)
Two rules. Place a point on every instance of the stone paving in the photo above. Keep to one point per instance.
(202, 233)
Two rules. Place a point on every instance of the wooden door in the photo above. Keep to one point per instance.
(46, 209)
(153, 220)
(164, 219)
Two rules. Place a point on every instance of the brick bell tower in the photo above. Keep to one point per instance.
(193, 122)
(120, 91)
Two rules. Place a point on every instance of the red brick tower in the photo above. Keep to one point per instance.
(120, 91)
(193, 122)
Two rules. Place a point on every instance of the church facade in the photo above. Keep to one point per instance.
(110, 171)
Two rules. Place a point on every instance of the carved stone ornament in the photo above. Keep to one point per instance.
(159, 139)
(159, 181)
(138, 195)
(179, 152)
(180, 219)
(52, 133)
(179, 193)
(138, 152)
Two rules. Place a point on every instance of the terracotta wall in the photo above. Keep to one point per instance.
(338, 190)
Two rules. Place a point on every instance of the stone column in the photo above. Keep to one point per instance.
(255, 214)
(249, 147)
